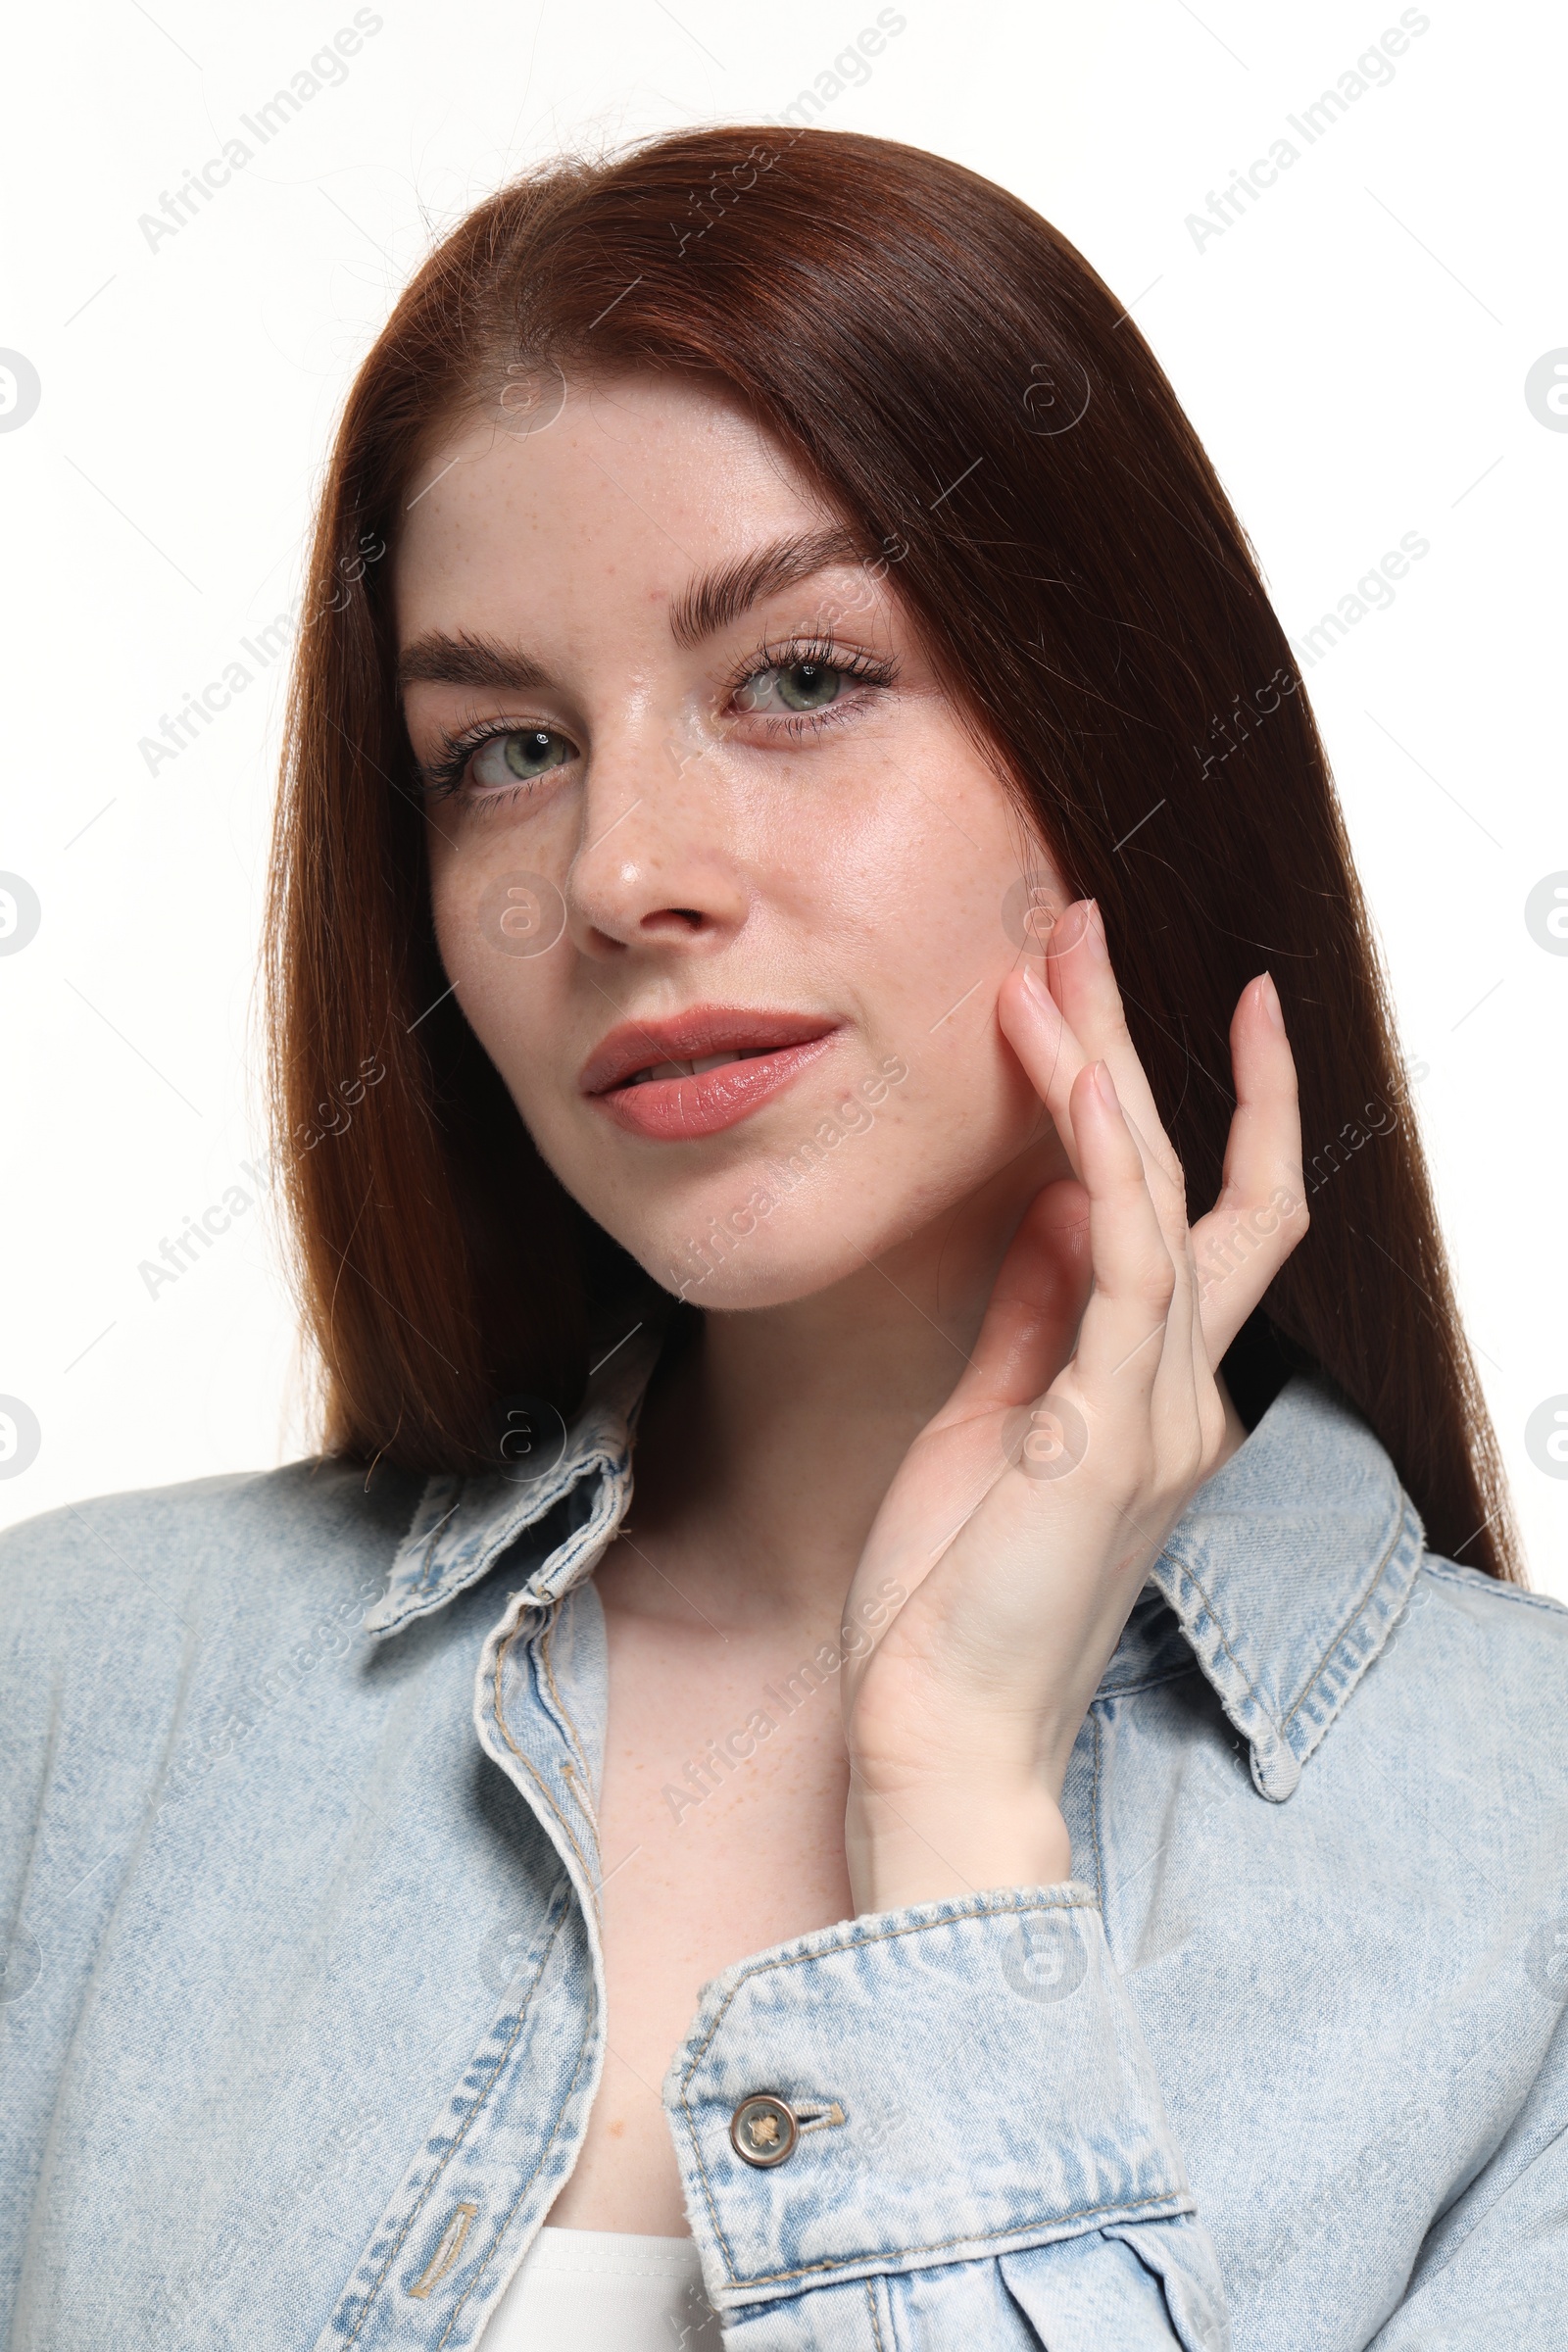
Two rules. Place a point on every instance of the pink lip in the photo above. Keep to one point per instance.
(777, 1047)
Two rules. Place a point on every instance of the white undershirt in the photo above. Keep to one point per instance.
(604, 2290)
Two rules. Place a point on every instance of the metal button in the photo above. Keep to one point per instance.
(762, 2130)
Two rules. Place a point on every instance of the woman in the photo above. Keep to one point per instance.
(1042, 1824)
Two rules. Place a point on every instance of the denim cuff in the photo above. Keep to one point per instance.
(950, 2080)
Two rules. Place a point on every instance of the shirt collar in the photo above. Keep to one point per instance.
(461, 1526)
(1286, 1573)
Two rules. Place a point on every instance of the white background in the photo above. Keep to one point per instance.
(1352, 353)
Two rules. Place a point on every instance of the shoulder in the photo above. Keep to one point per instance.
(1507, 1614)
(119, 1557)
(1498, 1653)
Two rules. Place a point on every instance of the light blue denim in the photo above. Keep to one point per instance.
(305, 1997)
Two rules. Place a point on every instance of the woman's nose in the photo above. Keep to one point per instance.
(656, 865)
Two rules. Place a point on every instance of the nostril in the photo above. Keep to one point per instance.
(687, 922)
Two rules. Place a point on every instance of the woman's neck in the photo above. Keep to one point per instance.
(765, 1449)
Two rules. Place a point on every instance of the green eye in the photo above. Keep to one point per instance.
(802, 679)
(808, 685)
(522, 758)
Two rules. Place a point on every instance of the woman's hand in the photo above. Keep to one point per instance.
(1024, 1519)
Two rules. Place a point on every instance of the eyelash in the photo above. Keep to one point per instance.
(864, 668)
(443, 776)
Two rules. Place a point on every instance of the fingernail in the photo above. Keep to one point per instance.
(1094, 931)
(1106, 1086)
(1268, 996)
(1072, 927)
(1034, 982)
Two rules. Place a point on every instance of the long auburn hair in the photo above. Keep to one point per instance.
(978, 406)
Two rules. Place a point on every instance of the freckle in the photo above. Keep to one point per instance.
(617, 2128)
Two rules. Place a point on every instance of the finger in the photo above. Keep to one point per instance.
(1188, 1415)
(1033, 1024)
(1079, 974)
(1262, 1211)
(1035, 1310)
(1121, 1342)
(1202, 1371)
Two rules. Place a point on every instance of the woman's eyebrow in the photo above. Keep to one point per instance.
(697, 612)
(719, 597)
(467, 660)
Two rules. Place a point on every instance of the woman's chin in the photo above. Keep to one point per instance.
(762, 1268)
(770, 1281)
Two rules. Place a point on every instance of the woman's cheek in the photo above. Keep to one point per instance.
(511, 1002)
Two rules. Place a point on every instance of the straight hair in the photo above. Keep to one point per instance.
(988, 421)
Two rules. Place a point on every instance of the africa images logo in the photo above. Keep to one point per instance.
(1545, 390)
(19, 390)
(327, 70)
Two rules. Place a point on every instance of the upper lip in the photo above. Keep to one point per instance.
(688, 1036)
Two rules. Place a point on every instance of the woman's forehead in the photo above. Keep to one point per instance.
(656, 493)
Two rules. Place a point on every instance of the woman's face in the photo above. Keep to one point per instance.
(722, 883)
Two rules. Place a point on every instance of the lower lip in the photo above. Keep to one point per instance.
(674, 1110)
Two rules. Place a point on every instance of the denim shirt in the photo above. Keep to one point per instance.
(304, 2001)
